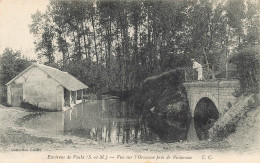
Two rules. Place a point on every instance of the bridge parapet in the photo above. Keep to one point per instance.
(221, 83)
(220, 92)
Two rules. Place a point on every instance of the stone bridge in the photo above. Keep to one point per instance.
(219, 92)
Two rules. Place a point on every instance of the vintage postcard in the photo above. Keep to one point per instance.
(149, 81)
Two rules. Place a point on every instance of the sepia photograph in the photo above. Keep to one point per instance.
(149, 81)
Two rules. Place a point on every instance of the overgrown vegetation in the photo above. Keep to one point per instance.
(247, 65)
(162, 101)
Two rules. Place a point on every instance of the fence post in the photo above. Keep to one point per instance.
(192, 74)
(185, 75)
(226, 65)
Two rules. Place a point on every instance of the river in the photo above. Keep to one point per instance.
(110, 120)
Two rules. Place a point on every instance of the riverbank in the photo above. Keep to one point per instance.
(16, 138)
(248, 130)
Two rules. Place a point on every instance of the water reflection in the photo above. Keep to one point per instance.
(111, 121)
(192, 133)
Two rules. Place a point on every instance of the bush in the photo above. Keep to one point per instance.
(163, 102)
(247, 65)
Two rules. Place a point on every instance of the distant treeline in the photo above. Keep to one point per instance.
(117, 44)
(11, 64)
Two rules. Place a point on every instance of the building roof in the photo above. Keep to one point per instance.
(63, 78)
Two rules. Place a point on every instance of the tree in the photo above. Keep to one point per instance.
(136, 19)
(253, 24)
(247, 65)
(125, 42)
(11, 65)
(44, 31)
(235, 14)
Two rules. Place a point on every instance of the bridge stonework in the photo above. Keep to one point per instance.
(220, 92)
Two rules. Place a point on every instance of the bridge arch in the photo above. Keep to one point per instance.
(219, 93)
(201, 95)
(205, 115)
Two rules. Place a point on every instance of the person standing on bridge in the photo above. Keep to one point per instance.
(198, 68)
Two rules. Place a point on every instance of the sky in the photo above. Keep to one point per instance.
(15, 17)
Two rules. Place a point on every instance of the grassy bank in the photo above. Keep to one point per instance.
(247, 131)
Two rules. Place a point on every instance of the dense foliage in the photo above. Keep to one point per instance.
(247, 62)
(163, 102)
(11, 64)
(114, 45)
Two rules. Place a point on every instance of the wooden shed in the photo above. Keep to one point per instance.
(45, 87)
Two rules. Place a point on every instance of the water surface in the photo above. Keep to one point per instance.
(111, 121)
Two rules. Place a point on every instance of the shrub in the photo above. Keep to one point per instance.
(163, 102)
(247, 65)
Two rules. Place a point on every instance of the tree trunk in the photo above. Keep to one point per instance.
(79, 45)
(135, 53)
(84, 37)
(99, 91)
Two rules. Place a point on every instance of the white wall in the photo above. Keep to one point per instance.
(41, 90)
